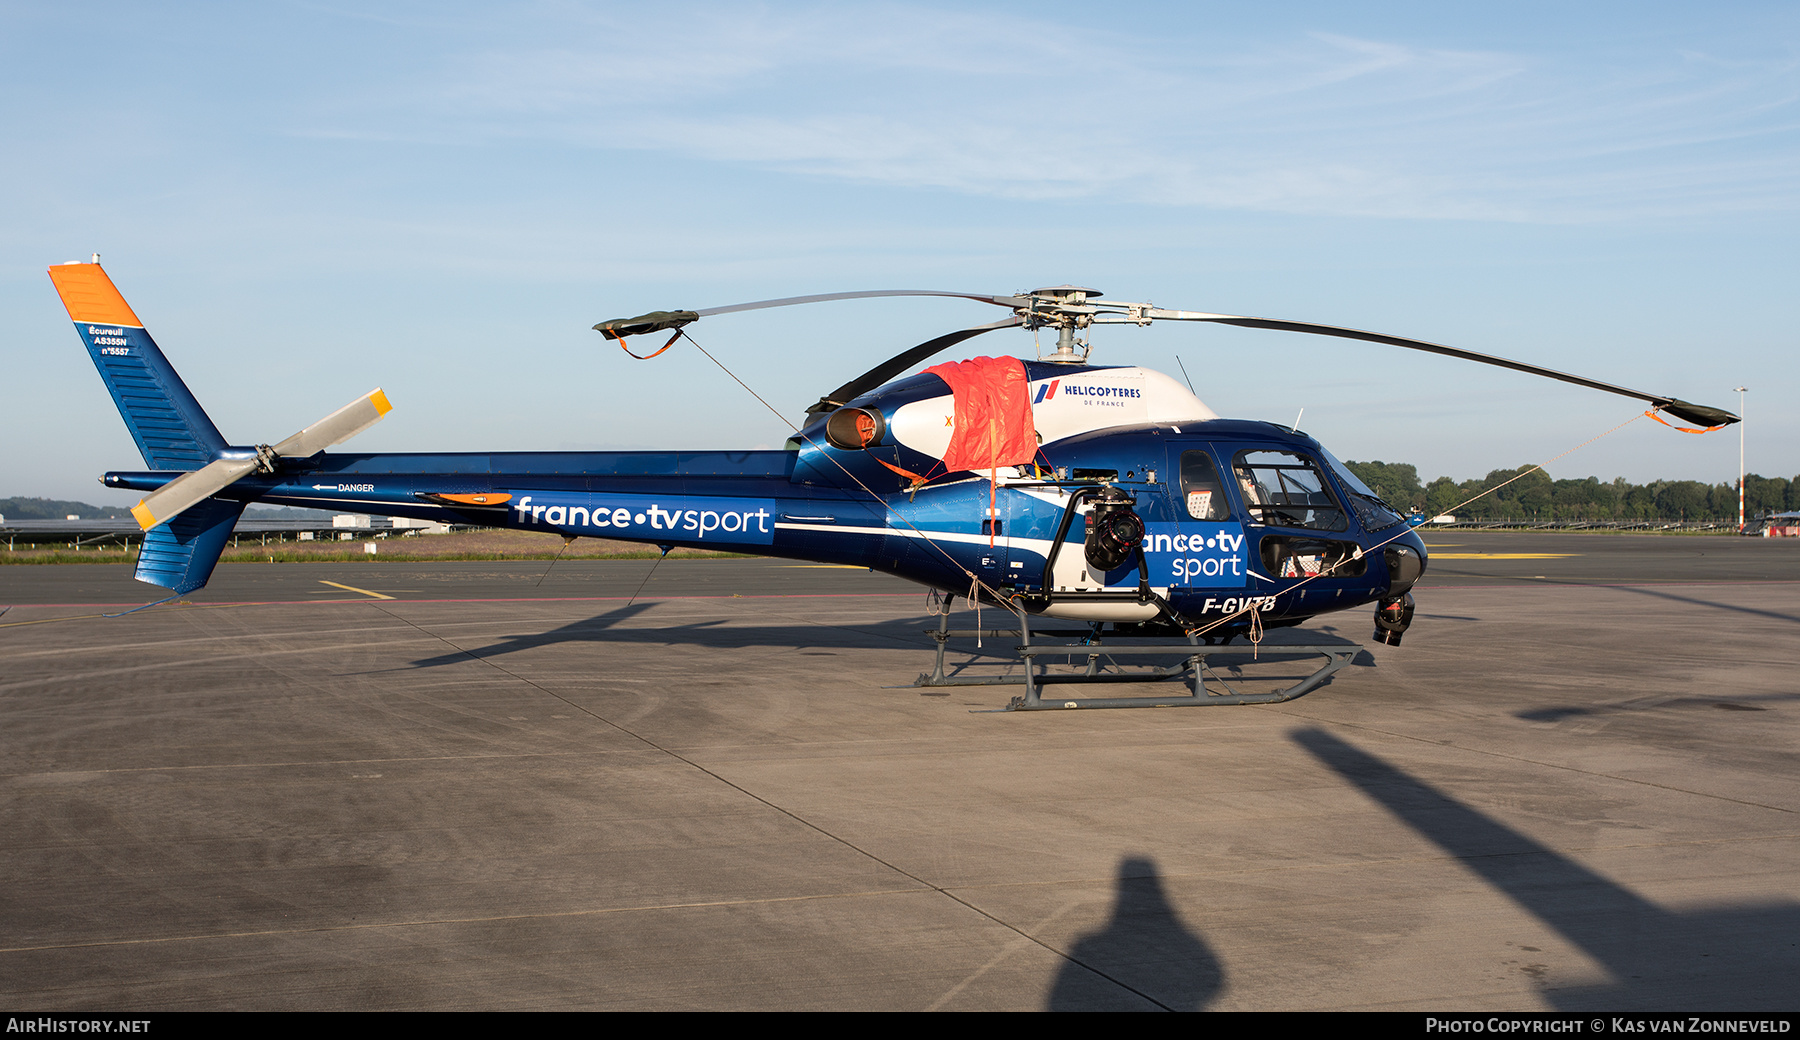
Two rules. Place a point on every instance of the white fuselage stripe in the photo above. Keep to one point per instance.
(1040, 546)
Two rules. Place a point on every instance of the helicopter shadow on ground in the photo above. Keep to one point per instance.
(1733, 702)
(1236, 669)
(1742, 957)
(1328, 634)
(1144, 947)
(1709, 604)
(610, 627)
(1235, 661)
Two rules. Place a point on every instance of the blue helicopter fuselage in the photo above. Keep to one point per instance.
(1286, 532)
(1100, 494)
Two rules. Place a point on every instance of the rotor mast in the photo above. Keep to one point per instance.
(1066, 309)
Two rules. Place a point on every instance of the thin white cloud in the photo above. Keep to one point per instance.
(992, 105)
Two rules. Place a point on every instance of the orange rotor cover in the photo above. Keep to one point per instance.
(994, 426)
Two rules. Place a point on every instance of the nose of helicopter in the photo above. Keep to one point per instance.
(1406, 563)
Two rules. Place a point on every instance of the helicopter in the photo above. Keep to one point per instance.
(1109, 495)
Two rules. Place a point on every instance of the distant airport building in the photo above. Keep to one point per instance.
(386, 523)
(1782, 525)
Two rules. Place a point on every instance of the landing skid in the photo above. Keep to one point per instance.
(1193, 672)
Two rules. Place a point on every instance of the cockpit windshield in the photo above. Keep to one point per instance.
(1371, 511)
(1286, 489)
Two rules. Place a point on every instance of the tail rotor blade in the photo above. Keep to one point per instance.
(188, 490)
(337, 427)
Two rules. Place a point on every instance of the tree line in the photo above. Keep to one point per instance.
(1538, 496)
(20, 508)
(57, 508)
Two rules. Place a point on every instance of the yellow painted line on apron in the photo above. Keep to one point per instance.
(352, 588)
(46, 621)
(822, 567)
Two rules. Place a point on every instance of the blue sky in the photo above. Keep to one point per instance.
(303, 201)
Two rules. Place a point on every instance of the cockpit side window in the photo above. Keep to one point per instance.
(1287, 489)
(1201, 490)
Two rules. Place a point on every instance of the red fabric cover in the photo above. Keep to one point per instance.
(993, 413)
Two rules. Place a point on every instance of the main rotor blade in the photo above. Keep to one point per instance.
(1000, 300)
(1694, 413)
(189, 490)
(658, 321)
(899, 363)
(337, 427)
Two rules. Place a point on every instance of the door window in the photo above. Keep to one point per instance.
(1201, 490)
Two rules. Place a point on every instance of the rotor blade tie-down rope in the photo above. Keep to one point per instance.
(993, 516)
(146, 606)
(917, 481)
(653, 565)
(568, 540)
(642, 357)
(973, 598)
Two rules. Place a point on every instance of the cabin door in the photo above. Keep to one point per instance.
(1202, 546)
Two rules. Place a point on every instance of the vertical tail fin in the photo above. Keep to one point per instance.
(180, 555)
(171, 430)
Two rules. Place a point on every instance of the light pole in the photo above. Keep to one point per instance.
(1740, 393)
